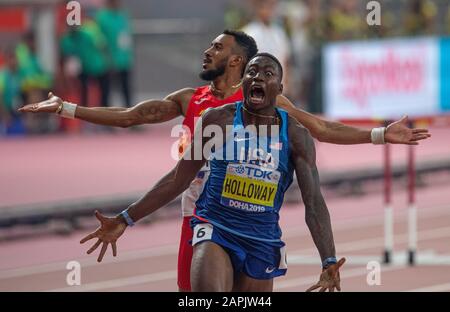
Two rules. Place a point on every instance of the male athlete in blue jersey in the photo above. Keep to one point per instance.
(255, 150)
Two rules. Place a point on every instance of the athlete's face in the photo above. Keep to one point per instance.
(261, 83)
(216, 57)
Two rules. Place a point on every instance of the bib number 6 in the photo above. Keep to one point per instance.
(202, 232)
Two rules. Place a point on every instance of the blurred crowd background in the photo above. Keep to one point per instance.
(127, 51)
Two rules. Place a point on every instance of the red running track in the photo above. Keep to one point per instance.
(66, 168)
(126, 162)
(147, 254)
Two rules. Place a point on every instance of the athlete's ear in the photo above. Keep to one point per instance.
(235, 60)
(281, 88)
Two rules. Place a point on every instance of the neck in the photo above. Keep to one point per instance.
(264, 116)
(225, 85)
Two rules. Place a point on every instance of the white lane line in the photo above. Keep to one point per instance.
(87, 262)
(364, 222)
(293, 260)
(120, 282)
(310, 280)
(425, 257)
(374, 242)
(441, 287)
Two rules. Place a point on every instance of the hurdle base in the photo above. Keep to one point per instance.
(387, 257)
(400, 258)
(411, 257)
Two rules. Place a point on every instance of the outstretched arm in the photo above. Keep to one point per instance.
(339, 133)
(179, 178)
(169, 187)
(316, 212)
(146, 112)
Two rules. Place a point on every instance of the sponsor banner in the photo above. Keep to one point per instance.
(386, 78)
(445, 74)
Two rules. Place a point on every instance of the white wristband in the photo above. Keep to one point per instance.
(377, 135)
(68, 110)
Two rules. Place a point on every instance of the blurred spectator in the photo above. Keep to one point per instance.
(345, 21)
(10, 96)
(115, 25)
(33, 77)
(235, 17)
(307, 23)
(269, 36)
(86, 44)
(386, 29)
(421, 18)
(34, 83)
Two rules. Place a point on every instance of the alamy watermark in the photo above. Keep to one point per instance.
(73, 17)
(374, 16)
(373, 278)
(73, 278)
(250, 144)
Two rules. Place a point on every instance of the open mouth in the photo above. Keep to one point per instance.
(206, 62)
(257, 94)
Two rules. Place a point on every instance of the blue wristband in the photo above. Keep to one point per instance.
(127, 218)
(329, 261)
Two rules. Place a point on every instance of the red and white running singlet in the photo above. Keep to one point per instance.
(201, 100)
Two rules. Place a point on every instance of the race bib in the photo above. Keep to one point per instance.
(250, 187)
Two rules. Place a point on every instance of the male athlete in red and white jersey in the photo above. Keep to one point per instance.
(223, 65)
(202, 99)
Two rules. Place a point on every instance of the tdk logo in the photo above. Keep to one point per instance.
(258, 173)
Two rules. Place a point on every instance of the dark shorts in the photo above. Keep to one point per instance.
(258, 260)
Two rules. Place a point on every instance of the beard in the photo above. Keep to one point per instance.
(209, 75)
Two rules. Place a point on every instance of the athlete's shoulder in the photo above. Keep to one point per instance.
(300, 139)
(294, 125)
(182, 97)
(185, 93)
(214, 114)
(204, 88)
(200, 91)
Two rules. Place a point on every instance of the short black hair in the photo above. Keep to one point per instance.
(273, 58)
(246, 42)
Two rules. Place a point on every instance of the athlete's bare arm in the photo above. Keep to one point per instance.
(178, 180)
(146, 112)
(167, 189)
(317, 217)
(339, 133)
(316, 212)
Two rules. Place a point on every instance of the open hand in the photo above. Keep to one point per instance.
(108, 232)
(47, 106)
(329, 279)
(399, 133)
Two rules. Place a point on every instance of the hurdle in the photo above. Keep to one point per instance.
(410, 254)
(388, 210)
(412, 209)
(388, 213)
